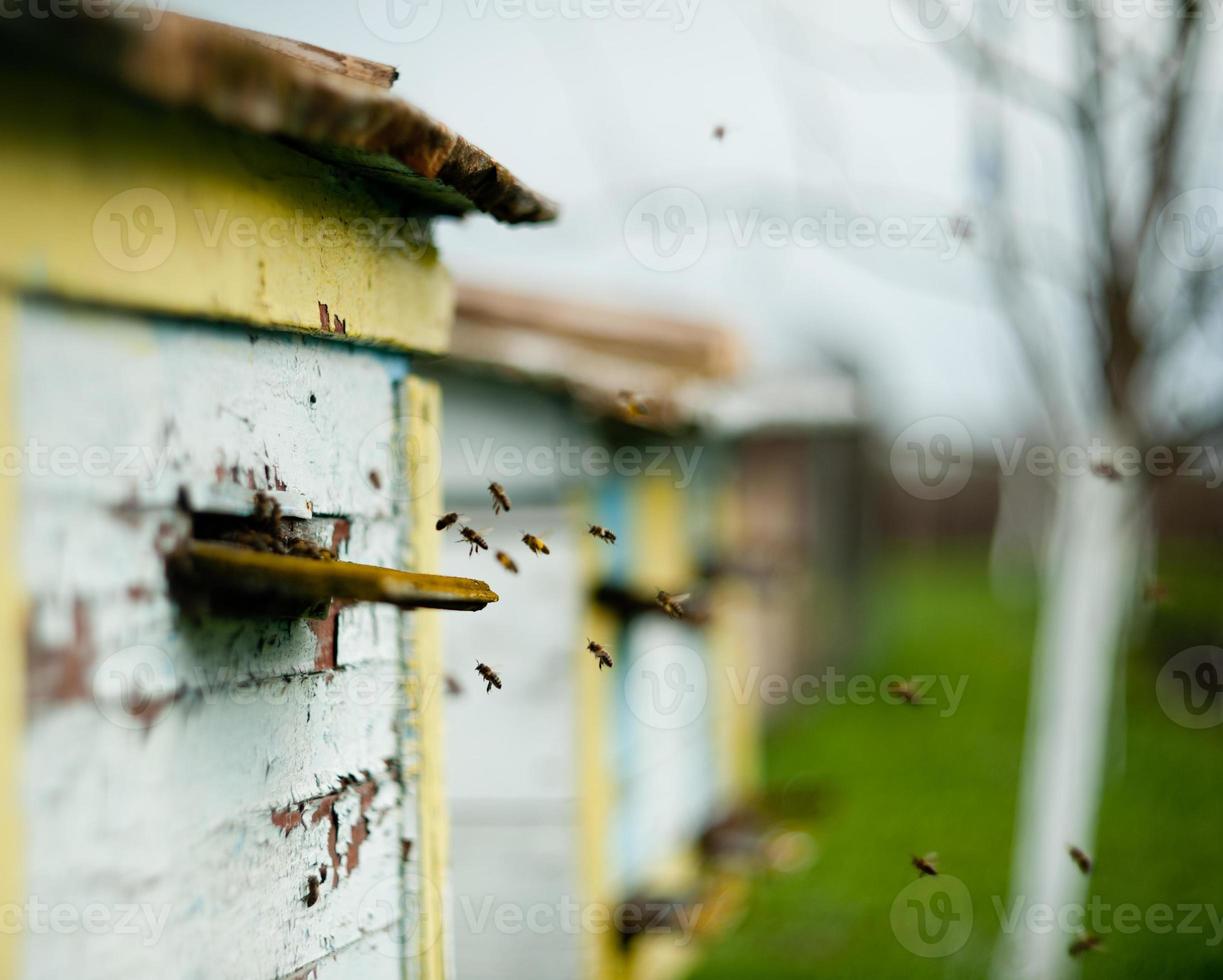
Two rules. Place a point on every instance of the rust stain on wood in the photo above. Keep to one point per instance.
(61, 672)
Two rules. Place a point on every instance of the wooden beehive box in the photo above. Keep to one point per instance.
(586, 797)
(222, 741)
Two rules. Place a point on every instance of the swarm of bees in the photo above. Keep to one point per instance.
(476, 543)
(600, 653)
(672, 605)
(488, 675)
(1080, 858)
(602, 533)
(270, 536)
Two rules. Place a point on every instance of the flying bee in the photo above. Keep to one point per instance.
(1080, 857)
(602, 533)
(535, 544)
(452, 685)
(501, 500)
(474, 538)
(1103, 468)
(507, 562)
(905, 691)
(446, 520)
(1155, 591)
(488, 674)
(600, 653)
(719, 132)
(927, 865)
(672, 605)
(1085, 942)
(631, 406)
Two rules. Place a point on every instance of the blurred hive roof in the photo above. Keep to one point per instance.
(615, 361)
(681, 371)
(330, 105)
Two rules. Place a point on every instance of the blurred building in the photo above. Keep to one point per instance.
(604, 788)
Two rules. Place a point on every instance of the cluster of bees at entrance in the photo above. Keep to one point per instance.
(672, 605)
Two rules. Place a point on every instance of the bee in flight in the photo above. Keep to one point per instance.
(1081, 858)
(672, 605)
(602, 533)
(927, 865)
(631, 406)
(600, 653)
(501, 500)
(1085, 942)
(474, 539)
(1155, 591)
(507, 562)
(905, 691)
(446, 520)
(488, 674)
(535, 544)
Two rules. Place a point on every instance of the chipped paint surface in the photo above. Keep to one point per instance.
(233, 226)
(425, 680)
(234, 778)
(12, 691)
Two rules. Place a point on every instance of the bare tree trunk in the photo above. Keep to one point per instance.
(1098, 545)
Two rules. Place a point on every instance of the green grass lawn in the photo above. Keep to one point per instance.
(894, 780)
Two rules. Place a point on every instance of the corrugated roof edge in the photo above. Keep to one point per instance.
(241, 81)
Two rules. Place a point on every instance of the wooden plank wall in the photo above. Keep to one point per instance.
(232, 790)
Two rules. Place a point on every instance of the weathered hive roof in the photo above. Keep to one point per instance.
(330, 105)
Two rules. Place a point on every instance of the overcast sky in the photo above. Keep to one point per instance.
(832, 111)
